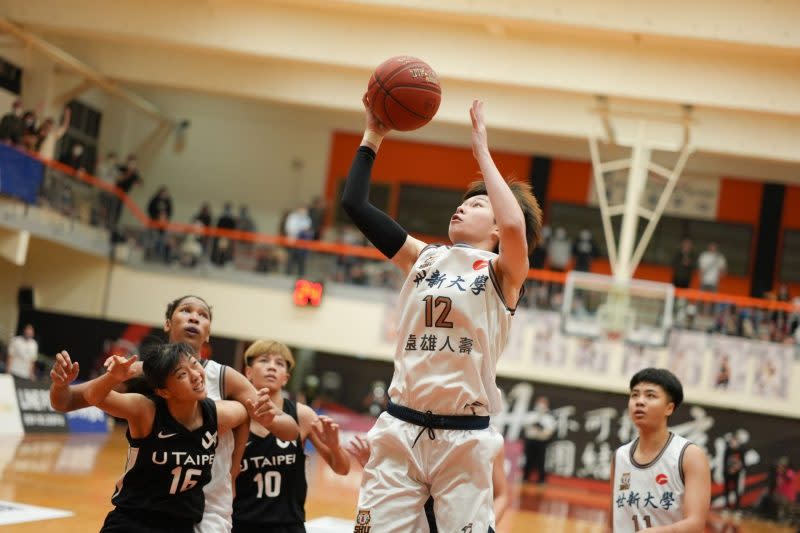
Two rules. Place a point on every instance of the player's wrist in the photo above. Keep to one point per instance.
(372, 139)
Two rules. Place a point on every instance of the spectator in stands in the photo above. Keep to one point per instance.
(205, 218)
(160, 204)
(723, 378)
(191, 249)
(349, 235)
(559, 250)
(108, 169)
(316, 211)
(223, 250)
(733, 462)
(539, 255)
(75, 157)
(29, 130)
(128, 178)
(298, 226)
(270, 259)
(11, 125)
(22, 353)
(48, 135)
(160, 209)
(785, 487)
(245, 221)
(712, 265)
(537, 437)
(683, 264)
(584, 250)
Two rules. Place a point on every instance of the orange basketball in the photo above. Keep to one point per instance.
(404, 93)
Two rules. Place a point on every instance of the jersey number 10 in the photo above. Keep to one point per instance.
(269, 486)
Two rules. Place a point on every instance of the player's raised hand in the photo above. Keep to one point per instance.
(327, 431)
(480, 142)
(121, 368)
(64, 371)
(263, 410)
(359, 448)
(137, 368)
(373, 124)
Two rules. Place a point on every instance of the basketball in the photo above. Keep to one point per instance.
(404, 93)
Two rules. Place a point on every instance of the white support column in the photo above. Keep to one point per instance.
(637, 177)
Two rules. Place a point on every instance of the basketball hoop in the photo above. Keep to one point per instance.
(615, 317)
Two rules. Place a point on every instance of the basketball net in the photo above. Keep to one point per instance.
(615, 317)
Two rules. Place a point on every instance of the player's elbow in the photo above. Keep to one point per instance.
(342, 467)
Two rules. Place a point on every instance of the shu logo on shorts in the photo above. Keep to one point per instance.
(209, 440)
(363, 518)
(625, 482)
(662, 479)
(467, 528)
(162, 435)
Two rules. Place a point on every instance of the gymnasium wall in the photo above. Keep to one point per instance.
(570, 181)
(790, 221)
(358, 321)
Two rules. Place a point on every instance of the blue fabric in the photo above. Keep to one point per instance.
(20, 175)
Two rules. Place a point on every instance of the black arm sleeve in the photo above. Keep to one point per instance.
(381, 230)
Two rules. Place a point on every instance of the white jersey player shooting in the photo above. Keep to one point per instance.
(455, 310)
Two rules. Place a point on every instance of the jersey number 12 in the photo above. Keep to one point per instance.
(441, 320)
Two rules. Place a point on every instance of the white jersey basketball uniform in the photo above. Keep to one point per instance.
(452, 327)
(648, 495)
(219, 491)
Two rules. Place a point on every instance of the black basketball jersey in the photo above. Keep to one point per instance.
(271, 487)
(165, 472)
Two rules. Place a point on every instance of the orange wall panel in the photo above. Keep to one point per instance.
(739, 201)
(570, 181)
(791, 208)
(410, 162)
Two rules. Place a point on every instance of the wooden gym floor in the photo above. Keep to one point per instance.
(77, 473)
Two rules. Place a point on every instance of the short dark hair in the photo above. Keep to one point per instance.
(664, 379)
(527, 202)
(159, 360)
(173, 305)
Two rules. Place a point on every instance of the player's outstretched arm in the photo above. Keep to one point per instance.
(324, 434)
(512, 262)
(137, 409)
(240, 436)
(385, 233)
(696, 496)
(230, 415)
(359, 448)
(63, 396)
(267, 414)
